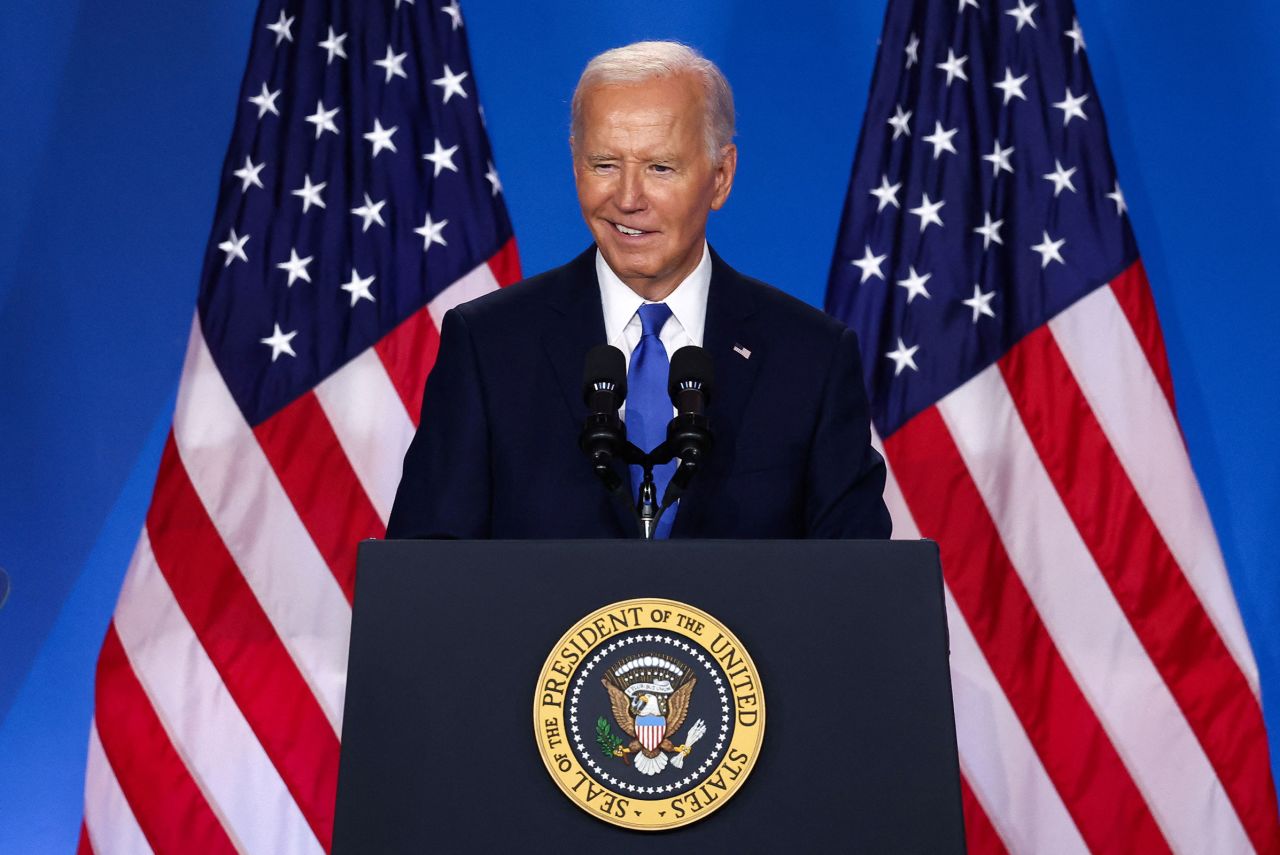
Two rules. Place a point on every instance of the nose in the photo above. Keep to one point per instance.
(629, 193)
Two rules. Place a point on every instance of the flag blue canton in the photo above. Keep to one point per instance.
(358, 184)
(983, 199)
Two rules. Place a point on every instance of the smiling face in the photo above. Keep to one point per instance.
(645, 180)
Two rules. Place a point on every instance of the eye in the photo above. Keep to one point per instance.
(661, 168)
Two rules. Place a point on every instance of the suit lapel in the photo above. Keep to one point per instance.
(736, 348)
(578, 326)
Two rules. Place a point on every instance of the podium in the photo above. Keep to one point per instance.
(449, 637)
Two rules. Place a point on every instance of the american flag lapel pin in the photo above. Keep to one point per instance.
(742, 351)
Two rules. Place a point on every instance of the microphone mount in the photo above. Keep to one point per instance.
(603, 438)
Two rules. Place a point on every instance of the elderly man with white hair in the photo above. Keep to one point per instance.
(497, 456)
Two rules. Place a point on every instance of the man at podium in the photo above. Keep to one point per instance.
(497, 453)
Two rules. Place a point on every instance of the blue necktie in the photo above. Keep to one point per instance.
(648, 404)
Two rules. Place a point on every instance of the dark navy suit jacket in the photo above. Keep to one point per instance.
(496, 455)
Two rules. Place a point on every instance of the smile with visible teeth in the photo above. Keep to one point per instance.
(627, 231)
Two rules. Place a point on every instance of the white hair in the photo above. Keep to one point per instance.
(641, 61)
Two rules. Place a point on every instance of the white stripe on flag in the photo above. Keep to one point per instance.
(223, 755)
(112, 827)
(371, 424)
(1002, 767)
(1091, 632)
(261, 529)
(1134, 413)
(478, 282)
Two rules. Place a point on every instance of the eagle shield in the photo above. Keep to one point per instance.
(650, 696)
(650, 729)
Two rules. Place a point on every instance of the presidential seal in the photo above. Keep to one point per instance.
(649, 714)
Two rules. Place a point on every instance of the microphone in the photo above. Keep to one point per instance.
(691, 380)
(690, 385)
(604, 388)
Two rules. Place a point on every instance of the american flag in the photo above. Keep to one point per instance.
(359, 202)
(1106, 696)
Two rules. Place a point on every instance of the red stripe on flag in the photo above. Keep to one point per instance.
(505, 264)
(242, 644)
(1079, 758)
(84, 847)
(408, 352)
(325, 491)
(1164, 610)
(170, 809)
(980, 835)
(1133, 293)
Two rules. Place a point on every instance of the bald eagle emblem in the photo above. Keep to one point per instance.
(649, 695)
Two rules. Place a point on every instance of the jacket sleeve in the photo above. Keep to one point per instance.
(846, 475)
(445, 489)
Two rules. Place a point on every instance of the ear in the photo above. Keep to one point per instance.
(724, 175)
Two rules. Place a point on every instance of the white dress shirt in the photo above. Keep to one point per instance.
(688, 304)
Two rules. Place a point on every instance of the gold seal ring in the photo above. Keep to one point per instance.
(649, 714)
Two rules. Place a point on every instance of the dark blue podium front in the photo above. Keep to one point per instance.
(448, 638)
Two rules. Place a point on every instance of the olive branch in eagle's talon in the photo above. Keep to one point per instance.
(609, 741)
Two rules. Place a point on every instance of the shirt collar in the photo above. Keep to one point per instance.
(688, 302)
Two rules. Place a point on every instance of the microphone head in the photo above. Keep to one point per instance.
(691, 366)
(605, 367)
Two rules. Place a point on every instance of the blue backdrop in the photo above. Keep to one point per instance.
(117, 114)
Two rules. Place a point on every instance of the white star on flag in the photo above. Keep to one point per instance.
(1071, 106)
(451, 83)
(1076, 35)
(914, 283)
(913, 50)
(233, 246)
(323, 119)
(980, 303)
(999, 159)
(266, 102)
(279, 342)
(954, 66)
(492, 177)
(901, 123)
(454, 12)
(296, 267)
(370, 212)
(886, 193)
(381, 137)
(1117, 196)
(927, 212)
(1011, 86)
(333, 45)
(441, 158)
(1049, 250)
(1061, 178)
(431, 233)
(281, 28)
(869, 264)
(903, 357)
(393, 63)
(990, 230)
(1022, 15)
(249, 173)
(358, 288)
(941, 140)
(310, 193)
